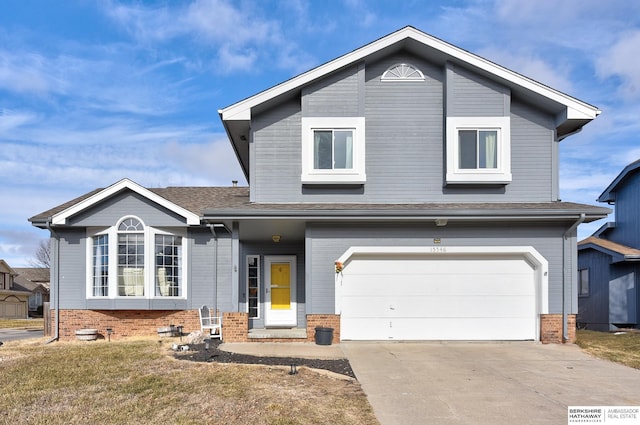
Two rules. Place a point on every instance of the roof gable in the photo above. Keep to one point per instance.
(617, 251)
(570, 113)
(576, 109)
(609, 193)
(5, 268)
(61, 217)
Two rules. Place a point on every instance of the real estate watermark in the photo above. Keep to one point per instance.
(626, 415)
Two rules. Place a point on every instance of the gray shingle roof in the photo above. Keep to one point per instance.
(232, 202)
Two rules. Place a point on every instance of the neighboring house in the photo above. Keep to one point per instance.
(407, 190)
(14, 301)
(36, 281)
(609, 260)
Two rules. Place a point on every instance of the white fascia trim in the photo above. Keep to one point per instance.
(576, 109)
(537, 260)
(61, 217)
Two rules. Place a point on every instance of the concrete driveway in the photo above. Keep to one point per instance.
(485, 383)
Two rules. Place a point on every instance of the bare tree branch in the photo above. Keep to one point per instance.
(42, 256)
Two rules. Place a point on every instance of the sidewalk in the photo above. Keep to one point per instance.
(304, 350)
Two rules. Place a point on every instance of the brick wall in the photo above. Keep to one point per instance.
(235, 327)
(551, 329)
(125, 323)
(323, 321)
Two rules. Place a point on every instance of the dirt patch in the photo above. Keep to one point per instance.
(198, 353)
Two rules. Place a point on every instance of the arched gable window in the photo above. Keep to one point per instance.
(402, 72)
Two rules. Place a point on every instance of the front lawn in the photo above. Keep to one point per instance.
(21, 323)
(622, 348)
(139, 381)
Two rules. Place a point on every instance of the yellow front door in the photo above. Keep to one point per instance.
(280, 286)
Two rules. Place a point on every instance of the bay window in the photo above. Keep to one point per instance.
(134, 260)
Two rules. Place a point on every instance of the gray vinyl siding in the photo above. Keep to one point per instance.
(325, 244)
(532, 155)
(405, 154)
(627, 201)
(277, 154)
(72, 268)
(404, 134)
(263, 249)
(470, 95)
(203, 272)
(593, 311)
(224, 267)
(337, 95)
(109, 212)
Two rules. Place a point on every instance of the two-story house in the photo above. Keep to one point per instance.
(609, 260)
(407, 190)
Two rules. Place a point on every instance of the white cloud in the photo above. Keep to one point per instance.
(237, 35)
(622, 60)
(27, 72)
(532, 66)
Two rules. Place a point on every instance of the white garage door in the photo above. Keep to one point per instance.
(438, 297)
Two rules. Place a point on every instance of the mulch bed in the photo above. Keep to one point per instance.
(198, 353)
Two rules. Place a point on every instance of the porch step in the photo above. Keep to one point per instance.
(294, 333)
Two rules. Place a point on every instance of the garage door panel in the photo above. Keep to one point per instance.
(438, 329)
(480, 285)
(438, 298)
(453, 306)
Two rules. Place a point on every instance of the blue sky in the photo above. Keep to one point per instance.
(94, 91)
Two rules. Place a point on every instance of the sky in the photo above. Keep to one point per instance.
(95, 91)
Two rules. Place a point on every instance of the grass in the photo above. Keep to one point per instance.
(622, 348)
(139, 381)
(21, 323)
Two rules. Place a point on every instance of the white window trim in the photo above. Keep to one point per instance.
(499, 175)
(259, 298)
(355, 175)
(149, 261)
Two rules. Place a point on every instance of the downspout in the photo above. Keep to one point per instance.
(565, 326)
(56, 256)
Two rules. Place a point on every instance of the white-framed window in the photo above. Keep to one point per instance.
(333, 150)
(100, 266)
(478, 150)
(168, 270)
(131, 259)
(583, 282)
(253, 286)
